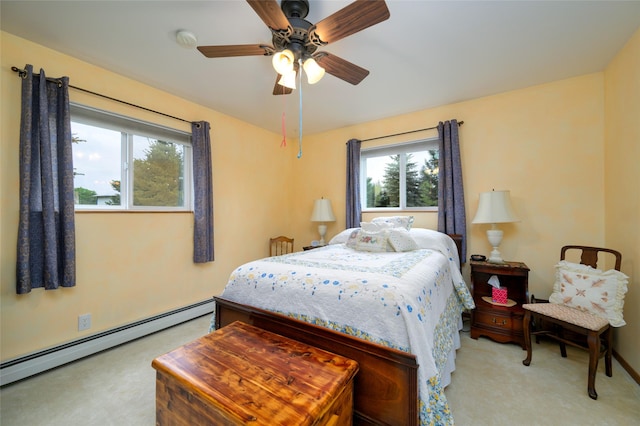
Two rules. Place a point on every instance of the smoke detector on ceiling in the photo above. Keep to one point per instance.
(186, 39)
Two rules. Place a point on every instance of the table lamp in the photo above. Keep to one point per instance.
(322, 212)
(495, 207)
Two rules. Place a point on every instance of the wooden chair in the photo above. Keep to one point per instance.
(552, 320)
(280, 245)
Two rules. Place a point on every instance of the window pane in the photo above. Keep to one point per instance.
(383, 184)
(158, 172)
(401, 176)
(96, 164)
(422, 178)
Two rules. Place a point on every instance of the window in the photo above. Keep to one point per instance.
(124, 164)
(400, 177)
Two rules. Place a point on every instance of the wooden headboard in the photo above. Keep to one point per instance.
(457, 238)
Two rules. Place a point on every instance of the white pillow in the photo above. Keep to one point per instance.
(400, 240)
(377, 241)
(375, 227)
(591, 290)
(395, 221)
(353, 238)
(342, 236)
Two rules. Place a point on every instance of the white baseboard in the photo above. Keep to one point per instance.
(37, 362)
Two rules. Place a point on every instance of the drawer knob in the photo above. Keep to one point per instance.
(504, 321)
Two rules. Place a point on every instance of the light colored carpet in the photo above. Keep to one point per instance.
(489, 387)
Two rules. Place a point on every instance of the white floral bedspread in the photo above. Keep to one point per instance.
(410, 301)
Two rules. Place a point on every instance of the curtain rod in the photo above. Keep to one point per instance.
(460, 123)
(22, 73)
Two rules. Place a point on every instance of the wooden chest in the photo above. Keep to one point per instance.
(243, 375)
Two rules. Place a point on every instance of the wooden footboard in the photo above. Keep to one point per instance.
(385, 389)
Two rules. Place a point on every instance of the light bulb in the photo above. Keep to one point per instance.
(288, 80)
(283, 61)
(314, 71)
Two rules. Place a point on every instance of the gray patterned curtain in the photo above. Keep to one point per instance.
(451, 211)
(46, 231)
(203, 188)
(354, 210)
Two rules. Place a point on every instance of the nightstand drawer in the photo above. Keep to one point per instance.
(494, 319)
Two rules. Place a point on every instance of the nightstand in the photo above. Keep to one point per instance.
(310, 247)
(500, 323)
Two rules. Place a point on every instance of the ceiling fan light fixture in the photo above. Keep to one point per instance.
(288, 79)
(283, 61)
(314, 71)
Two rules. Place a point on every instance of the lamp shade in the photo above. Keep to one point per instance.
(283, 61)
(495, 207)
(314, 71)
(288, 79)
(322, 211)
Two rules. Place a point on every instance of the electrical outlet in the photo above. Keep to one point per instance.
(84, 322)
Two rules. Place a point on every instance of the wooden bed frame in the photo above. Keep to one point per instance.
(386, 387)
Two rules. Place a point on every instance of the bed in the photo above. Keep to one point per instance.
(398, 313)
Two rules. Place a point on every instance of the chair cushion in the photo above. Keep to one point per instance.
(567, 314)
(591, 290)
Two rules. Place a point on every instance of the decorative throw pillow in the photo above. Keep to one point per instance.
(592, 290)
(353, 238)
(343, 236)
(372, 241)
(395, 221)
(401, 240)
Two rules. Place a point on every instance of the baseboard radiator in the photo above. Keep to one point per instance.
(37, 362)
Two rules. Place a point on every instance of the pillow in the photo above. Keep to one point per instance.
(353, 238)
(372, 241)
(400, 240)
(591, 290)
(395, 221)
(375, 227)
(343, 236)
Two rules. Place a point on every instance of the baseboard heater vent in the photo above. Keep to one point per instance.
(37, 362)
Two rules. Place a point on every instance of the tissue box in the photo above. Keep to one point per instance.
(499, 295)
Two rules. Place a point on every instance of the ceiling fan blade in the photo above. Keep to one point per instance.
(349, 20)
(338, 67)
(280, 90)
(270, 13)
(233, 50)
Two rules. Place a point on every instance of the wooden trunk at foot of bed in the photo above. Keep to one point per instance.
(385, 388)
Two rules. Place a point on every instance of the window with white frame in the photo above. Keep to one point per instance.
(400, 177)
(126, 164)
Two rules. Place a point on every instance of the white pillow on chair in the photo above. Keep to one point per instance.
(591, 290)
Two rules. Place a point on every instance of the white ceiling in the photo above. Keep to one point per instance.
(427, 54)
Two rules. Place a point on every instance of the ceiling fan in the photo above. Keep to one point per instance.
(296, 40)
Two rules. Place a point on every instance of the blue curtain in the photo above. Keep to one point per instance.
(46, 231)
(354, 210)
(203, 193)
(451, 211)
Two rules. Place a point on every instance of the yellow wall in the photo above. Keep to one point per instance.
(135, 265)
(622, 183)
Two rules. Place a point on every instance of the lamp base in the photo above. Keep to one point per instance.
(495, 238)
(322, 230)
(495, 257)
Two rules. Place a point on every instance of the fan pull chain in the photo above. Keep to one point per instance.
(283, 144)
(300, 111)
